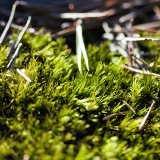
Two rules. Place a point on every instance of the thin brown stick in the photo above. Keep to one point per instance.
(64, 32)
(130, 53)
(138, 60)
(146, 26)
(140, 71)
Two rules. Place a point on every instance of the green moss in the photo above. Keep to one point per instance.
(59, 114)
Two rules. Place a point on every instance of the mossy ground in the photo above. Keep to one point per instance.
(59, 114)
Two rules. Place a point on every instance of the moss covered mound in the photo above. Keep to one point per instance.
(61, 113)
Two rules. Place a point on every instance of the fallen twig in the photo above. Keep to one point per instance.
(130, 39)
(140, 71)
(87, 15)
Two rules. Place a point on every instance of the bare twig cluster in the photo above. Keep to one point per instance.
(60, 17)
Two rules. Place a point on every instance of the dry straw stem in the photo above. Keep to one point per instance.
(140, 71)
(114, 115)
(87, 15)
(9, 22)
(132, 39)
(146, 116)
(130, 107)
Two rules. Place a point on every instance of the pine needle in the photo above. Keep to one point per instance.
(80, 48)
(11, 62)
(130, 107)
(9, 22)
(23, 75)
(15, 44)
(114, 115)
(146, 116)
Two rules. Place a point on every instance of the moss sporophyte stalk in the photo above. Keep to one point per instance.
(60, 113)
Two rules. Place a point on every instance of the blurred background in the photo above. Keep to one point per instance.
(49, 15)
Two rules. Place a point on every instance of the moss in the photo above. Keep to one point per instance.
(59, 114)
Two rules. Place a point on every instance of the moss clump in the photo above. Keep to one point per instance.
(59, 114)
